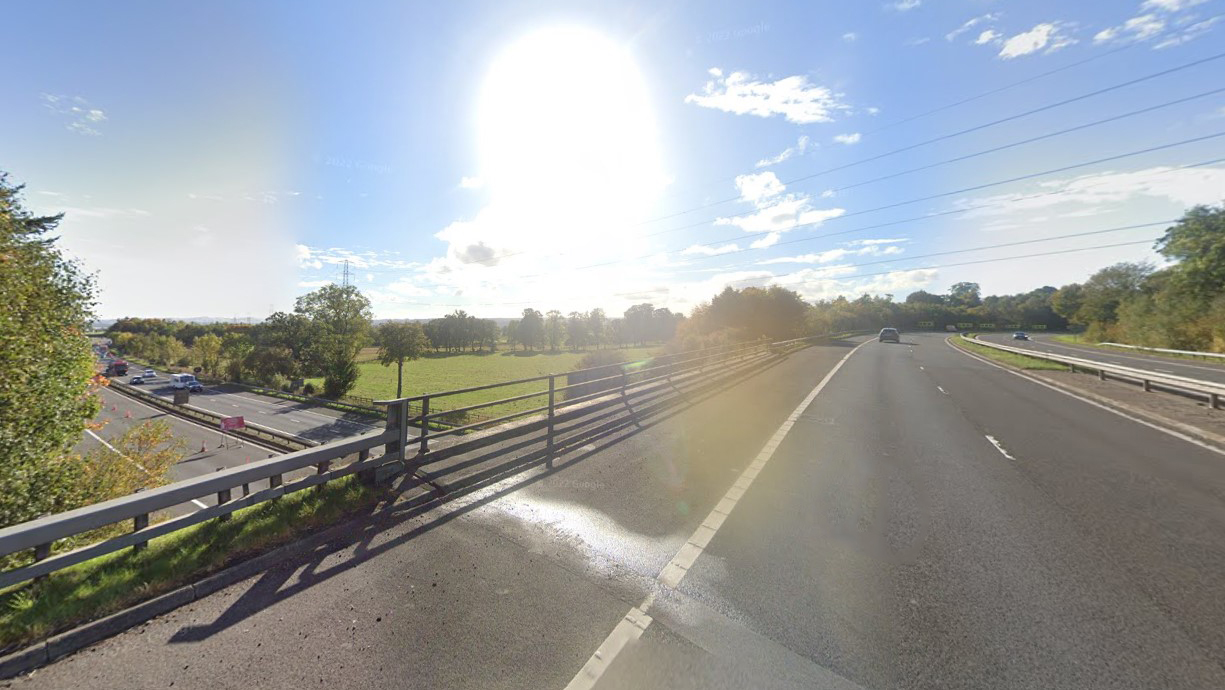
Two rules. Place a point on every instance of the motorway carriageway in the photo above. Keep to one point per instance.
(206, 450)
(292, 417)
(881, 517)
(1204, 370)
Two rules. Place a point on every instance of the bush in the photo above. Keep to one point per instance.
(599, 358)
(308, 389)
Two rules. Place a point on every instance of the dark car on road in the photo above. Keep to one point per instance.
(1020, 335)
(889, 334)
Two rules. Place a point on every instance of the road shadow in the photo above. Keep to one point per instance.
(298, 574)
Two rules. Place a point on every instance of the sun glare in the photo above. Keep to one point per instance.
(567, 139)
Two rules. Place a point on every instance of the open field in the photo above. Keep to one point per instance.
(434, 373)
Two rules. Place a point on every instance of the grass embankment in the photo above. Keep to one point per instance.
(443, 372)
(1012, 360)
(109, 583)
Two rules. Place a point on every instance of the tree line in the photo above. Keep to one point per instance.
(639, 325)
(1179, 306)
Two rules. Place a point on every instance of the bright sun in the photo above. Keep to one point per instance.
(567, 139)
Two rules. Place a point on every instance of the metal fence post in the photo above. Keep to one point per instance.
(1218, 402)
(425, 426)
(322, 468)
(223, 496)
(552, 399)
(138, 523)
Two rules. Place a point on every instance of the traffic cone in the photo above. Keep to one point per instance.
(127, 414)
(202, 448)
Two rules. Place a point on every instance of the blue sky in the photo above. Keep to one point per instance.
(219, 159)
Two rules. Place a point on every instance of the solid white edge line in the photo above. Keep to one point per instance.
(115, 450)
(636, 621)
(1124, 415)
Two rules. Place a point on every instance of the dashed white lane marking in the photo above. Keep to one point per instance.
(999, 447)
(1164, 371)
(1111, 410)
(636, 621)
(942, 390)
(921, 367)
(115, 450)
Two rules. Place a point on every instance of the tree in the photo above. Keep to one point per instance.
(964, 295)
(577, 335)
(1197, 243)
(207, 349)
(596, 322)
(638, 323)
(555, 328)
(235, 348)
(340, 316)
(294, 331)
(400, 341)
(512, 333)
(46, 362)
(531, 329)
(924, 297)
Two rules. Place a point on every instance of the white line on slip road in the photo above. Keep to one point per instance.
(942, 390)
(636, 621)
(1070, 394)
(115, 450)
(999, 447)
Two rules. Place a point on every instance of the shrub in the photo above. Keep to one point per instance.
(308, 389)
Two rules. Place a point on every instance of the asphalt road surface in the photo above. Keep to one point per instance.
(1197, 369)
(301, 419)
(927, 521)
(207, 450)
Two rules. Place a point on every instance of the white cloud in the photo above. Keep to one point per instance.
(103, 212)
(801, 146)
(786, 214)
(471, 182)
(313, 283)
(873, 110)
(81, 115)
(706, 250)
(836, 254)
(1180, 186)
(904, 5)
(1050, 36)
(756, 188)
(883, 240)
(715, 72)
(768, 241)
(1190, 33)
(850, 36)
(988, 36)
(793, 97)
(970, 24)
(1170, 5)
(1155, 20)
(916, 41)
(848, 139)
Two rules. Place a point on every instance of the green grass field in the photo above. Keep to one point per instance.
(435, 373)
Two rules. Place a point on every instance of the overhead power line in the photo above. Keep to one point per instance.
(971, 263)
(772, 278)
(915, 257)
(913, 201)
(962, 132)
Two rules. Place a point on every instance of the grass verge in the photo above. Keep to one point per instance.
(1012, 360)
(104, 585)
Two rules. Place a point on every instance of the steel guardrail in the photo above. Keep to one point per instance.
(1213, 393)
(1189, 353)
(41, 534)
